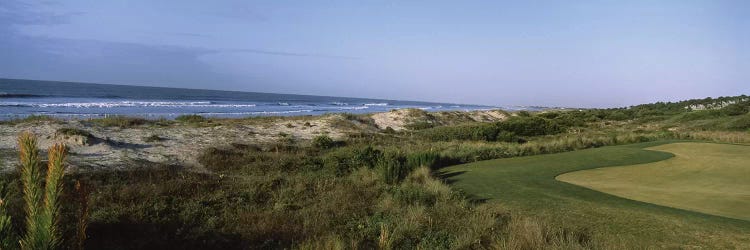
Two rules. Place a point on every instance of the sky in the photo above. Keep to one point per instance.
(545, 53)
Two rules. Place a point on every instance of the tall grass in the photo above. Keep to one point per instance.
(82, 197)
(42, 203)
(7, 235)
(31, 178)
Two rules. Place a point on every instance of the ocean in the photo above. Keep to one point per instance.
(21, 98)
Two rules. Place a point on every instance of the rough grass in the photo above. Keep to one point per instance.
(31, 119)
(703, 177)
(190, 118)
(119, 121)
(528, 184)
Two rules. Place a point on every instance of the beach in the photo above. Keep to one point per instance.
(120, 143)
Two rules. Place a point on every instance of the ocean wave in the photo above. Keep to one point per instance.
(353, 108)
(260, 112)
(376, 104)
(13, 104)
(339, 103)
(8, 95)
(124, 104)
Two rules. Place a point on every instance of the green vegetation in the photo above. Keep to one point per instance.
(709, 178)
(42, 205)
(507, 131)
(528, 184)
(119, 121)
(31, 119)
(385, 189)
(72, 132)
(7, 235)
(191, 118)
(323, 142)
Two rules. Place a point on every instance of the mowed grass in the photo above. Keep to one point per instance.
(704, 177)
(528, 186)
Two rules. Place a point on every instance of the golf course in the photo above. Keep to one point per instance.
(665, 194)
(704, 177)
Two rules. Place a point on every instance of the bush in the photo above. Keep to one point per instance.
(507, 131)
(323, 142)
(190, 118)
(119, 121)
(740, 123)
(72, 132)
(419, 125)
(340, 162)
(423, 159)
(389, 130)
(392, 167)
(367, 156)
(475, 132)
(414, 195)
(736, 109)
(530, 126)
(699, 115)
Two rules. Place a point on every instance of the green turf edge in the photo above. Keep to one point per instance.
(652, 204)
(570, 191)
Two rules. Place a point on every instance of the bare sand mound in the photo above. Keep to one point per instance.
(407, 118)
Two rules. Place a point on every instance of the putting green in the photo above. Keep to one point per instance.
(703, 177)
(527, 186)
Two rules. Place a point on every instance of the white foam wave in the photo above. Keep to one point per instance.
(353, 108)
(123, 104)
(260, 112)
(376, 104)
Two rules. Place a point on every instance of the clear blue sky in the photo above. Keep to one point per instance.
(551, 53)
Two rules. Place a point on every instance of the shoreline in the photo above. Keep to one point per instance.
(120, 143)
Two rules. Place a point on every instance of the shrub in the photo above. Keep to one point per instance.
(530, 126)
(323, 142)
(735, 109)
(72, 132)
(419, 125)
(367, 156)
(32, 119)
(392, 167)
(482, 131)
(502, 131)
(119, 121)
(414, 195)
(740, 123)
(389, 130)
(699, 115)
(190, 118)
(216, 159)
(339, 162)
(428, 159)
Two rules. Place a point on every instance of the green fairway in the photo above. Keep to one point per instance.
(705, 177)
(528, 185)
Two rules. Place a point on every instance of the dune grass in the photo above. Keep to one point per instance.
(528, 185)
(704, 177)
